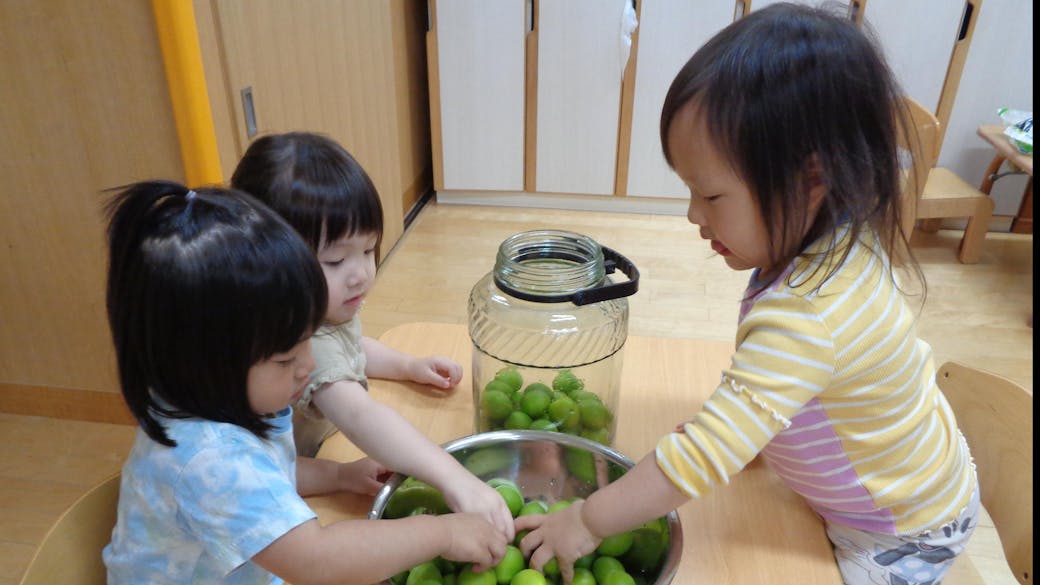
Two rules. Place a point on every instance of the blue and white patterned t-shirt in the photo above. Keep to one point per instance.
(198, 512)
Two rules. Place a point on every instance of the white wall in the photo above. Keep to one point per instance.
(998, 73)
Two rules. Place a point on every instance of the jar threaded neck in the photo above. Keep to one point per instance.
(550, 262)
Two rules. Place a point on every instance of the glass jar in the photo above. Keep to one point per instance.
(548, 326)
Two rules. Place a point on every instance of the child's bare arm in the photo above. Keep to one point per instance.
(322, 476)
(383, 361)
(367, 551)
(641, 495)
(386, 436)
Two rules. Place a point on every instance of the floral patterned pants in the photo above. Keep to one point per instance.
(866, 558)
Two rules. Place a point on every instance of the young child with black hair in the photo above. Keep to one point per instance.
(784, 128)
(212, 299)
(320, 190)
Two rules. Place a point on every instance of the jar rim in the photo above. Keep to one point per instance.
(548, 261)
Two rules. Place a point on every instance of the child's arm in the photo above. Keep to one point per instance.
(322, 476)
(383, 361)
(366, 551)
(639, 496)
(386, 436)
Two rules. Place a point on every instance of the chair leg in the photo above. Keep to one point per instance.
(975, 232)
(1023, 222)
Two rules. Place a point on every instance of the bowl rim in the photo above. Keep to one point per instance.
(671, 561)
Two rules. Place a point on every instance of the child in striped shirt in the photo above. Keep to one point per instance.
(784, 127)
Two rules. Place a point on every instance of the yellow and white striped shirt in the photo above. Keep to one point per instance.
(833, 386)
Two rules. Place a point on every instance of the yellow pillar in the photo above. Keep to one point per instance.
(182, 57)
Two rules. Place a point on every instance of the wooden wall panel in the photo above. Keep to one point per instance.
(335, 68)
(83, 107)
(221, 106)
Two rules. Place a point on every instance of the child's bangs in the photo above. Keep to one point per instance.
(361, 213)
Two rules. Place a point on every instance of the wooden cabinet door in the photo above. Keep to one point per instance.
(581, 58)
(325, 67)
(479, 80)
(669, 33)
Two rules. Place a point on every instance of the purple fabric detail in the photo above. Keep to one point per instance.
(817, 482)
(878, 525)
(799, 440)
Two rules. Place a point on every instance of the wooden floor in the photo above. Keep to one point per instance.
(975, 314)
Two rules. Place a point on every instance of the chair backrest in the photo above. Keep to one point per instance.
(71, 549)
(996, 417)
(925, 129)
(921, 140)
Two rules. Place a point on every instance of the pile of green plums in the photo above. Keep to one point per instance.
(632, 558)
(565, 406)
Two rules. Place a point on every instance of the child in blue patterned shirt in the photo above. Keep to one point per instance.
(211, 300)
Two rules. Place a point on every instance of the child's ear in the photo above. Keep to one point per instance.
(815, 182)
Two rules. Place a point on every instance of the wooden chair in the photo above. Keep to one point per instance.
(71, 549)
(933, 193)
(996, 417)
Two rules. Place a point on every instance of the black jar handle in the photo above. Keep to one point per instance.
(611, 261)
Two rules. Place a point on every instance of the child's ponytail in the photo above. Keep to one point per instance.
(132, 220)
(126, 213)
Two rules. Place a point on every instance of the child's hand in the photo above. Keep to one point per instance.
(435, 370)
(561, 534)
(468, 494)
(472, 540)
(364, 476)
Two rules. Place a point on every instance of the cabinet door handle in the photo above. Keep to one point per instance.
(969, 11)
(248, 111)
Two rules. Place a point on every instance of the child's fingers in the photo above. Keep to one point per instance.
(496, 551)
(451, 368)
(448, 369)
(431, 377)
(529, 522)
(503, 520)
(531, 541)
(455, 374)
(566, 573)
(539, 557)
(441, 383)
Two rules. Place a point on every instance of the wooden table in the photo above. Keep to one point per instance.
(1023, 222)
(753, 531)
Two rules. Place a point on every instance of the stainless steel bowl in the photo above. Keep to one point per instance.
(545, 465)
